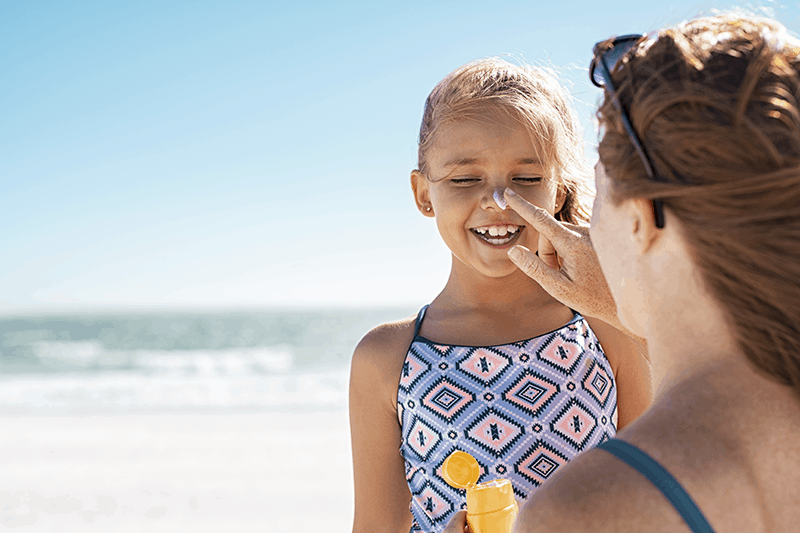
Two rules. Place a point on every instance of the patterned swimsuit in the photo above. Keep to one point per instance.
(521, 409)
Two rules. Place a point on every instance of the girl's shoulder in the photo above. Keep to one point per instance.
(387, 339)
(615, 344)
(380, 354)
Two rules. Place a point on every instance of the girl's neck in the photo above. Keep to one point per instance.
(475, 310)
(467, 289)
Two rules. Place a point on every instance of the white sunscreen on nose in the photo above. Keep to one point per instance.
(499, 200)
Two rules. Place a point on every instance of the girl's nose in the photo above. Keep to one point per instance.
(499, 199)
(493, 199)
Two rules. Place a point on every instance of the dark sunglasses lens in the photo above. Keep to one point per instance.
(612, 56)
(598, 74)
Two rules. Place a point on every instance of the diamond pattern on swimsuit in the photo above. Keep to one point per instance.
(522, 410)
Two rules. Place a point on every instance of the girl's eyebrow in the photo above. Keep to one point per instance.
(461, 161)
(464, 161)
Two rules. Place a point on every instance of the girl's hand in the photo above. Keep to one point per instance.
(457, 524)
(567, 266)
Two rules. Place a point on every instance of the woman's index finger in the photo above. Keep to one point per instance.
(540, 219)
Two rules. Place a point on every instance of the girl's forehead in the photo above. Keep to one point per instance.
(487, 118)
(479, 138)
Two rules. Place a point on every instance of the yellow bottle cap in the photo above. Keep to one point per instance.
(461, 470)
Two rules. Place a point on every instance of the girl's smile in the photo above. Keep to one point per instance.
(499, 235)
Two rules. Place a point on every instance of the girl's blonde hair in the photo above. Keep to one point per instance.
(716, 103)
(533, 97)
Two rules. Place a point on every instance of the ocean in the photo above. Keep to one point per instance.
(134, 362)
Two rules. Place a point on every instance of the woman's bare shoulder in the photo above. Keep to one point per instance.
(720, 456)
(596, 492)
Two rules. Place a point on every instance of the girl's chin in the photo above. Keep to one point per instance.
(501, 272)
(497, 267)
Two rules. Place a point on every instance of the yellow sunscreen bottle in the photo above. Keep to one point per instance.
(491, 507)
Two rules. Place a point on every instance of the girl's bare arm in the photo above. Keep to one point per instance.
(381, 491)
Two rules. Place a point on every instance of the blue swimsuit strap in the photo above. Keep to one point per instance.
(418, 324)
(663, 480)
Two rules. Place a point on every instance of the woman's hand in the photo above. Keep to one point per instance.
(566, 266)
(457, 524)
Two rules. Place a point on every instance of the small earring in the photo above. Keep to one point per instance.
(428, 209)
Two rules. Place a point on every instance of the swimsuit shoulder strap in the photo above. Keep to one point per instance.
(662, 479)
(420, 317)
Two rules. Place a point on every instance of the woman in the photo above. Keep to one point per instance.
(696, 227)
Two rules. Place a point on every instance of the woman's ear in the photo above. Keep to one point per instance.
(643, 228)
(419, 184)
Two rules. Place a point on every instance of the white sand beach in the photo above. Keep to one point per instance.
(265, 472)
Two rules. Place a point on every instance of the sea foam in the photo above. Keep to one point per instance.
(273, 361)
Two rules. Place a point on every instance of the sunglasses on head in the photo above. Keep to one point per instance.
(606, 57)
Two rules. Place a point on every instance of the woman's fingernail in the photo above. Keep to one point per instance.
(510, 192)
(499, 200)
(515, 253)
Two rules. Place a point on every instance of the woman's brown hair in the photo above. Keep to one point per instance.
(716, 103)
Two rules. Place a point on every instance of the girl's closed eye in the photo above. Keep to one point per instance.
(465, 180)
(527, 180)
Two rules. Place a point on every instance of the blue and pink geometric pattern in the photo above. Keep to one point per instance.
(522, 410)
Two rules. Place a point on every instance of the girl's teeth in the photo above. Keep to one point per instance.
(498, 235)
(494, 231)
(499, 240)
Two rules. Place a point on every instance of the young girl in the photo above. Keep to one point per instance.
(494, 366)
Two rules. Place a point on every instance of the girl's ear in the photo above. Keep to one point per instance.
(419, 184)
(561, 197)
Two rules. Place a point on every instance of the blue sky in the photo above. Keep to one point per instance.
(242, 153)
